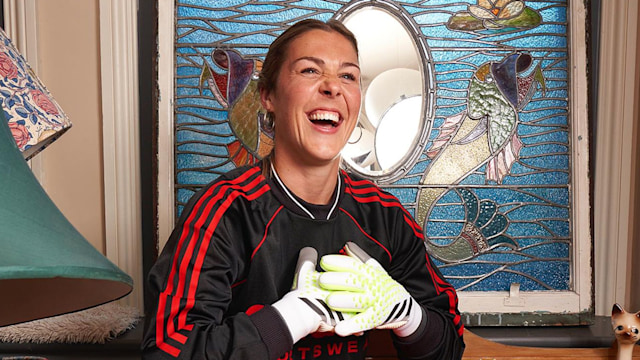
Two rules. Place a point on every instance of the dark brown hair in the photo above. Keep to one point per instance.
(278, 49)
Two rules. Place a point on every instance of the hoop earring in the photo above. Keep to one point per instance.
(268, 124)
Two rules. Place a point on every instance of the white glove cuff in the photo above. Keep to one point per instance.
(413, 321)
(300, 319)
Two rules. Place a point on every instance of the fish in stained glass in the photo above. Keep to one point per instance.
(485, 133)
(237, 90)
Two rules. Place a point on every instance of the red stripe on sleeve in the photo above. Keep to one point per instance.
(376, 195)
(195, 277)
(207, 200)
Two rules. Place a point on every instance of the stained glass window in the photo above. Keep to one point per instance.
(476, 140)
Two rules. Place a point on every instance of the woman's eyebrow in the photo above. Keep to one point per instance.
(319, 61)
(350, 64)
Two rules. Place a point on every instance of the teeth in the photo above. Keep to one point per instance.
(325, 116)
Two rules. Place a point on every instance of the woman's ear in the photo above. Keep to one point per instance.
(265, 99)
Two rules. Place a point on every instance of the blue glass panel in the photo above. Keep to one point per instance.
(522, 209)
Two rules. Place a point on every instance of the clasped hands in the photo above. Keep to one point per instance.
(353, 294)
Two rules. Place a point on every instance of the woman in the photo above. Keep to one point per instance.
(223, 283)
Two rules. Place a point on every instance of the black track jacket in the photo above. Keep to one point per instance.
(234, 252)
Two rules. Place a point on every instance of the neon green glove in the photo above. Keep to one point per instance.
(360, 284)
(304, 308)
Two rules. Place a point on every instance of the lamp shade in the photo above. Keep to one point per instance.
(47, 267)
(33, 115)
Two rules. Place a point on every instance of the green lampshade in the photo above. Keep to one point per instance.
(47, 267)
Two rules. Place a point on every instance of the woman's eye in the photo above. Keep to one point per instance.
(351, 77)
(309, 71)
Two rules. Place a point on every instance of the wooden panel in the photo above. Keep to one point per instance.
(381, 348)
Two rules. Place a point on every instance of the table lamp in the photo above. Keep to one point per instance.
(47, 267)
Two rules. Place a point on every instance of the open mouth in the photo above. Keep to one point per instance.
(325, 118)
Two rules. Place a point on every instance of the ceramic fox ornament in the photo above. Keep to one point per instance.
(626, 327)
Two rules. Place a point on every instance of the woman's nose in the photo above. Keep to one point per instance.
(330, 86)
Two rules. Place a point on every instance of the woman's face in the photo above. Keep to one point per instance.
(316, 99)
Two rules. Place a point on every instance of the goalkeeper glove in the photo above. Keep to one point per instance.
(360, 284)
(304, 309)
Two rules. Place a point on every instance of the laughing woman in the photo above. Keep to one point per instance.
(223, 283)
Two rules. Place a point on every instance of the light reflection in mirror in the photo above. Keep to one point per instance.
(397, 130)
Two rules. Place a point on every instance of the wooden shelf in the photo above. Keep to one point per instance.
(478, 348)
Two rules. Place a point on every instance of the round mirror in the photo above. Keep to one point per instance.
(393, 125)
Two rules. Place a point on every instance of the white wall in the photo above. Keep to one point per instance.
(69, 65)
